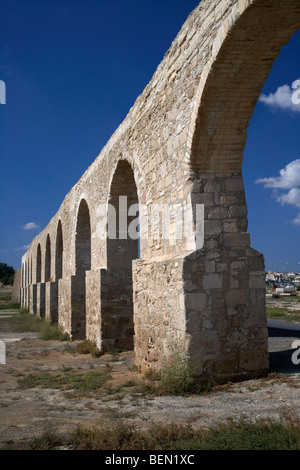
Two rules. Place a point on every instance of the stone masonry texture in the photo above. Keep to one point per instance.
(181, 144)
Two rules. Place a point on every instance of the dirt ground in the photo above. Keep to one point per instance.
(28, 411)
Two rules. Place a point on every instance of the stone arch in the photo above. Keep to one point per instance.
(119, 240)
(27, 303)
(40, 288)
(130, 168)
(32, 290)
(22, 275)
(22, 285)
(59, 252)
(117, 327)
(231, 86)
(48, 259)
(82, 264)
(27, 274)
(38, 264)
(83, 240)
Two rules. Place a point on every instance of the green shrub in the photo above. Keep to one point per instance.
(49, 331)
(25, 322)
(5, 296)
(88, 347)
(178, 374)
(9, 306)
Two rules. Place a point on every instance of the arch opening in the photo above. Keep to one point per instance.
(83, 240)
(117, 327)
(38, 264)
(83, 264)
(48, 260)
(40, 288)
(59, 253)
(235, 82)
(22, 276)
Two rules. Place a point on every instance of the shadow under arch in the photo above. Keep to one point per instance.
(48, 259)
(117, 326)
(38, 264)
(83, 264)
(59, 249)
(40, 285)
(53, 276)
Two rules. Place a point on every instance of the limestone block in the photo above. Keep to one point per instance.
(212, 281)
(237, 240)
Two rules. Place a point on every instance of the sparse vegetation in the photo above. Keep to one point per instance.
(88, 347)
(67, 381)
(283, 434)
(284, 308)
(50, 331)
(25, 322)
(50, 440)
(115, 352)
(6, 296)
(275, 312)
(5, 301)
(9, 306)
(177, 376)
(105, 382)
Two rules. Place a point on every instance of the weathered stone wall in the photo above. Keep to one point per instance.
(181, 143)
(16, 292)
(159, 310)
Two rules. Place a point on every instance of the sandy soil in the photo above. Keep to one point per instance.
(29, 412)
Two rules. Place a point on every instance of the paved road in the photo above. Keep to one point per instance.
(283, 327)
(281, 337)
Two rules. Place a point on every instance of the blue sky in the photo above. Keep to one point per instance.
(74, 68)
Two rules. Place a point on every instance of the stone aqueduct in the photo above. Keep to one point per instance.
(181, 143)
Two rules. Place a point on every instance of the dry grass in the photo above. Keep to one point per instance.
(283, 434)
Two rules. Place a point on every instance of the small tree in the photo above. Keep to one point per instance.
(7, 274)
